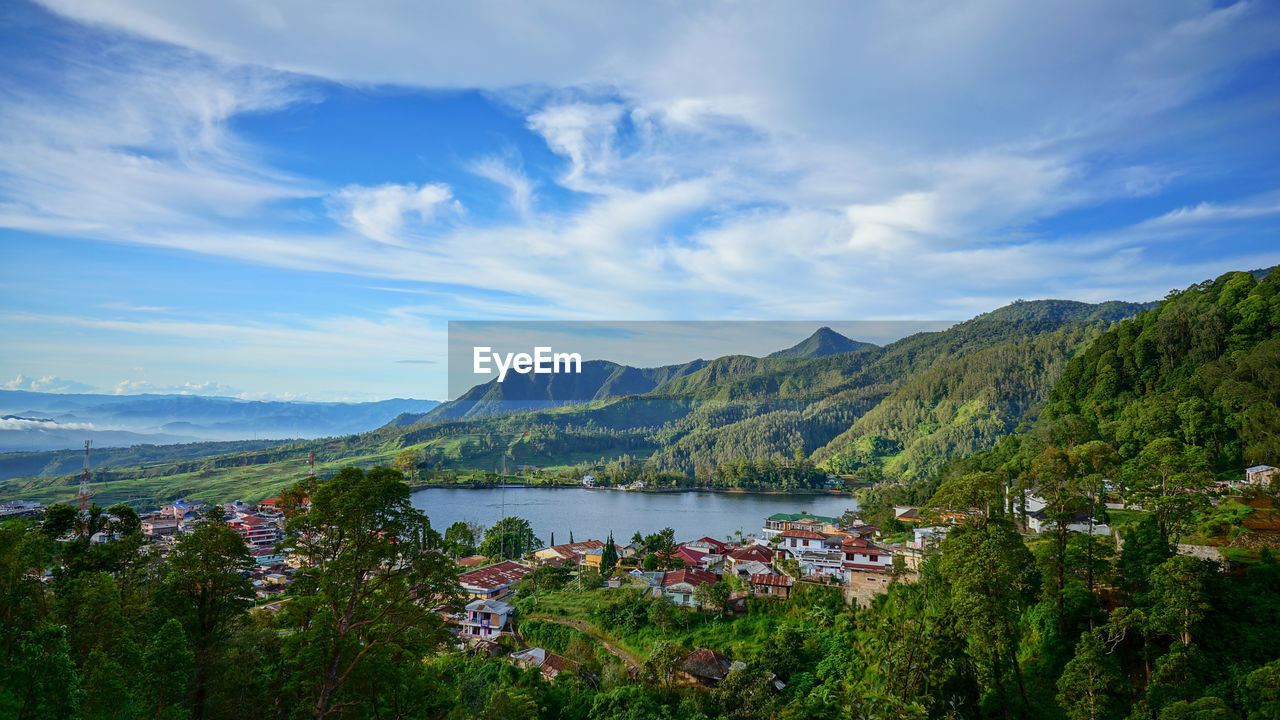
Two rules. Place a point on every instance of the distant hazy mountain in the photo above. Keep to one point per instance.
(49, 421)
(822, 343)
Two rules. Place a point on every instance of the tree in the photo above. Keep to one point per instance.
(207, 590)
(609, 556)
(1168, 479)
(460, 539)
(124, 520)
(1085, 688)
(39, 679)
(1261, 692)
(663, 666)
(167, 665)
(59, 520)
(1144, 550)
(508, 539)
(1179, 597)
(366, 595)
(992, 576)
(747, 692)
(1205, 708)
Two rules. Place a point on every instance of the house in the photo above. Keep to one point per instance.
(471, 561)
(678, 585)
(180, 508)
(154, 527)
(18, 508)
(267, 556)
(593, 558)
(746, 569)
(771, 585)
(866, 532)
(863, 556)
(492, 581)
(238, 507)
(708, 545)
(485, 618)
(256, 532)
(1261, 475)
(651, 580)
(817, 553)
(707, 667)
(270, 508)
(911, 558)
(795, 540)
(748, 554)
(778, 523)
(1038, 521)
(566, 553)
(906, 514)
(925, 538)
(860, 586)
(588, 481)
(690, 557)
(546, 661)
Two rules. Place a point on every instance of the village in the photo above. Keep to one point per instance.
(792, 552)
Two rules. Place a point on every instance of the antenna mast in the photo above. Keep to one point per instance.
(311, 465)
(83, 495)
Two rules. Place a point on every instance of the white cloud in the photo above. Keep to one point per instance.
(584, 133)
(48, 383)
(209, 387)
(740, 159)
(29, 424)
(379, 213)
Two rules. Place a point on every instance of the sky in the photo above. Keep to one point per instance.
(292, 199)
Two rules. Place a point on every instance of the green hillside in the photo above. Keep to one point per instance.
(896, 411)
(1202, 370)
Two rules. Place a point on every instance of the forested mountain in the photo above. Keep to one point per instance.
(518, 392)
(1201, 372)
(823, 342)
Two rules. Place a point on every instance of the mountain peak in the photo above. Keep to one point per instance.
(823, 342)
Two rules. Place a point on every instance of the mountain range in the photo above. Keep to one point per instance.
(49, 421)
(899, 411)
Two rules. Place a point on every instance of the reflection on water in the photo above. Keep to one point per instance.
(593, 513)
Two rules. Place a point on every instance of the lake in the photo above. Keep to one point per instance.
(594, 512)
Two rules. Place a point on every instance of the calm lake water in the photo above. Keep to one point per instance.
(593, 513)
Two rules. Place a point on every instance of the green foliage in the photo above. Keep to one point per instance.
(609, 556)
(364, 600)
(1087, 686)
(510, 537)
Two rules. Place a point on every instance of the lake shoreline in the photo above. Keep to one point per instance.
(597, 513)
(414, 487)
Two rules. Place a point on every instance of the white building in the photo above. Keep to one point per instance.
(485, 619)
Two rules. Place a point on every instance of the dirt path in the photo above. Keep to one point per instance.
(594, 633)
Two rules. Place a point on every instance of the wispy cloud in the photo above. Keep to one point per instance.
(510, 176)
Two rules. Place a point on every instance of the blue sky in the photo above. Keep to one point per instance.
(284, 199)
